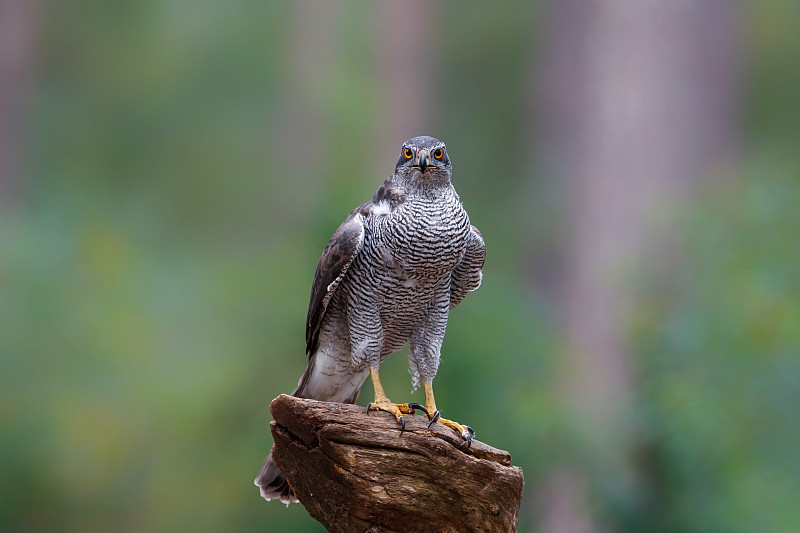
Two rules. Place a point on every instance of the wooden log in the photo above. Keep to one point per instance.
(354, 471)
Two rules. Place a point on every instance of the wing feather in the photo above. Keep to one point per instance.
(468, 274)
(339, 254)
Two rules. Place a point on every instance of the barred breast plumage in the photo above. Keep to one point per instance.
(389, 276)
(405, 265)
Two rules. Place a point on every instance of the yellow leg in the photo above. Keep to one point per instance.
(433, 414)
(380, 395)
(382, 403)
(430, 402)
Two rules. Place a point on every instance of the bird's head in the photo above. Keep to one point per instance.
(424, 161)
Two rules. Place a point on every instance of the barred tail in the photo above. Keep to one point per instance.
(273, 484)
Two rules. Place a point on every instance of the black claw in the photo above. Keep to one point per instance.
(434, 418)
(414, 406)
(368, 406)
(470, 436)
(402, 425)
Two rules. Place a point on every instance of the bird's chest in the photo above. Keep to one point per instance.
(424, 239)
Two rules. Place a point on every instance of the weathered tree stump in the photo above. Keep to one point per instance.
(354, 471)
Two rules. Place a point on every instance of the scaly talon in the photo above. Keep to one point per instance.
(397, 409)
(382, 403)
(466, 432)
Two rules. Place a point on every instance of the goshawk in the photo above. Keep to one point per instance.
(389, 276)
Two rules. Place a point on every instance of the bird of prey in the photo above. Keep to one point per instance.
(389, 276)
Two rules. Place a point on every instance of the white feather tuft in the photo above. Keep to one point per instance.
(480, 280)
(383, 208)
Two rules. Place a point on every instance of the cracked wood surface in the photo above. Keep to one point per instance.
(354, 471)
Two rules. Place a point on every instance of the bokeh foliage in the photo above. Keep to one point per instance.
(155, 272)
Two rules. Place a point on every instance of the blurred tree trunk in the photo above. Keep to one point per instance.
(304, 134)
(404, 57)
(17, 25)
(637, 104)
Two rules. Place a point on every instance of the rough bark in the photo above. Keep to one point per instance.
(355, 471)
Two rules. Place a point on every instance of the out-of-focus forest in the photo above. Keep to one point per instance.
(171, 171)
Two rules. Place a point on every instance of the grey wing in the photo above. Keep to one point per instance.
(467, 275)
(339, 254)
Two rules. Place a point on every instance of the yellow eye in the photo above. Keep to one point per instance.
(407, 153)
(438, 153)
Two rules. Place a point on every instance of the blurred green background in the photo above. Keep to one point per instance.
(171, 171)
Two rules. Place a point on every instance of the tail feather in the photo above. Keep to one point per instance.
(270, 479)
(273, 484)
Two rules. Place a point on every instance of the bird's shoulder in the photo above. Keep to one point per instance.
(389, 196)
(476, 235)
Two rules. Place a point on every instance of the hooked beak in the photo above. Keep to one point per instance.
(423, 161)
